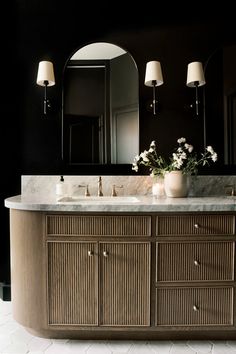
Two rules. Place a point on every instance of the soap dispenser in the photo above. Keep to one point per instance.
(61, 188)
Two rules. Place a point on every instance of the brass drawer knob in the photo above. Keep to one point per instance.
(196, 263)
(196, 226)
(90, 253)
(195, 308)
(105, 254)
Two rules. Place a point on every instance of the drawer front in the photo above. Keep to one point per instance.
(71, 225)
(188, 261)
(194, 306)
(195, 225)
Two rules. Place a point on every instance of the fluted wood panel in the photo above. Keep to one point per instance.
(125, 284)
(194, 306)
(98, 225)
(195, 261)
(72, 283)
(195, 225)
(28, 278)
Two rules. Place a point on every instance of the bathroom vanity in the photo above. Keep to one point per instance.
(146, 269)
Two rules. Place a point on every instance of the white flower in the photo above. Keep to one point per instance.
(178, 163)
(214, 157)
(181, 140)
(178, 160)
(135, 168)
(183, 158)
(144, 156)
(210, 149)
(153, 144)
(183, 155)
(188, 147)
(175, 156)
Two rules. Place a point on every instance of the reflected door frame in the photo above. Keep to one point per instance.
(104, 121)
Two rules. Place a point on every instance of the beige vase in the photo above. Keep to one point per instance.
(176, 184)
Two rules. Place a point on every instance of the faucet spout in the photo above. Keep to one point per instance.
(100, 194)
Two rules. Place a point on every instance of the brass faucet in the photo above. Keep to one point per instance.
(86, 193)
(100, 194)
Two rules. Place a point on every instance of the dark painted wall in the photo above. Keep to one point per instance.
(174, 45)
(38, 29)
(10, 137)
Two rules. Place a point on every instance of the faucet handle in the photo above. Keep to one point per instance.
(230, 189)
(113, 191)
(86, 193)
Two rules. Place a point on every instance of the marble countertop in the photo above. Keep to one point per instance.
(144, 204)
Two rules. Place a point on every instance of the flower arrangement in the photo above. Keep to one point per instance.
(184, 159)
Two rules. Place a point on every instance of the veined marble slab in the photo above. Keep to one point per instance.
(207, 193)
(45, 186)
(144, 204)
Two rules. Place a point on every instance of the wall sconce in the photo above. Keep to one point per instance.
(153, 78)
(195, 78)
(45, 78)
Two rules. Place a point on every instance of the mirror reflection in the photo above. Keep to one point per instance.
(220, 102)
(100, 118)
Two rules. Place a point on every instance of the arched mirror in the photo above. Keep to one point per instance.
(220, 103)
(100, 116)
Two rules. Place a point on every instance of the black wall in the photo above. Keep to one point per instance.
(54, 34)
(39, 30)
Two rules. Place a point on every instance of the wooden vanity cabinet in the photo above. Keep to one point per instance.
(120, 275)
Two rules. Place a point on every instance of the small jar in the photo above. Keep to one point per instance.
(158, 190)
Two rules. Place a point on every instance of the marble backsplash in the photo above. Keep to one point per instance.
(45, 186)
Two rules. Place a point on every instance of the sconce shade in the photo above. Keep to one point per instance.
(195, 74)
(153, 76)
(45, 73)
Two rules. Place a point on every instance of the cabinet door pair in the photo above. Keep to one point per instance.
(99, 283)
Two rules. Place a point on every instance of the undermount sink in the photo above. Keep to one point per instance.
(98, 200)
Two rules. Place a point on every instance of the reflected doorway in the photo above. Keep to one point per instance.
(100, 120)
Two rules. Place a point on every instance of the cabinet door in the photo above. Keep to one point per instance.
(72, 283)
(125, 284)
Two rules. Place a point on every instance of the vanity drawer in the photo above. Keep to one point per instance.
(179, 225)
(190, 261)
(80, 225)
(194, 306)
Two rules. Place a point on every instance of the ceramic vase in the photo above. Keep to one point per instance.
(176, 184)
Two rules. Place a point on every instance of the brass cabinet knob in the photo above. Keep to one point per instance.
(195, 308)
(90, 253)
(196, 226)
(196, 263)
(105, 254)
